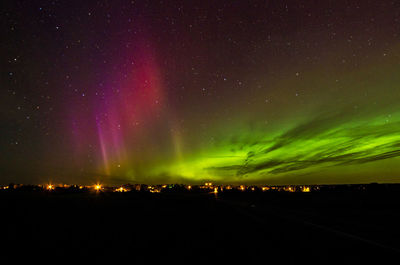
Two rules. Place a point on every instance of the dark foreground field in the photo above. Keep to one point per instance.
(250, 228)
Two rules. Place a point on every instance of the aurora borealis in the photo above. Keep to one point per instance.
(288, 92)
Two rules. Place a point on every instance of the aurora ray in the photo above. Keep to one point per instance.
(225, 91)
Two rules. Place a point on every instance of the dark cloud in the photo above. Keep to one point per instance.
(341, 143)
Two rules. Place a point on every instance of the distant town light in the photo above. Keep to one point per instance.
(121, 189)
(50, 187)
(97, 187)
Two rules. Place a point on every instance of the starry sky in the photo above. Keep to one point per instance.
(250, 92)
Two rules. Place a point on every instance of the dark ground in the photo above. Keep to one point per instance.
(250, 228)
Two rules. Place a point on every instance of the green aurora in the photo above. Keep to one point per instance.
(355, 141)
(322, 146)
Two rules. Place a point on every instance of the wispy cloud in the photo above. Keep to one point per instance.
(333, 140)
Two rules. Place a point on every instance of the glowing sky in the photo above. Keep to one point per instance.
(192, 91)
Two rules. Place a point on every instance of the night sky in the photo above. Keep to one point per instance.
(262, 92)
